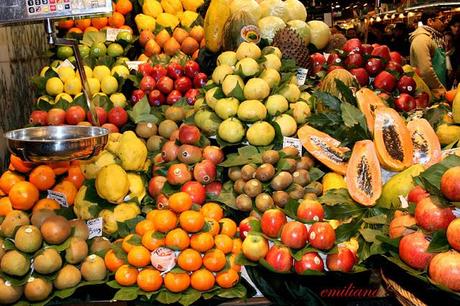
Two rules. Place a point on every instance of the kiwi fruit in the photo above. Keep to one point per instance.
(37, 289)
(252, 188)
(12, 222)
(154, 143)
(263, 202)
(69, 276)
(301, 177)
(80, 229)
(247, 172)
(290, 152)
(305, 162)
(281, 181)
(234, 173)
(310, 196)
(243, 202)
(93, 268)
(77, 250)
(280, 198)
(40, 216)
(100, 245)
(238, 186)
(47, 261)
(270, 157)
(166, 128)
(28, 239)
(289, 165)
(175, 113)
(9, 294)
(296, 192)
(55, 229)
(14, 263)
(146, 129)
(265, 172)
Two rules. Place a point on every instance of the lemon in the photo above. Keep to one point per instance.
(152, 8)
(333, 180)
(64, 96)
(73, 86)
(65, 73)
(126, 211)
(88, 72)
(98, 49)
(115, 49)
(45, 98)
(125, 36)
(122, 71)
(94, 85)
(100, 72)
(54, 86)
(55, 64)
(64, 52)
(118, 99)
(112, 183)
(44, 70)
(109, 85)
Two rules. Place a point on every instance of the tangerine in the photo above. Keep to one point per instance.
(5, 206)
(177, 282)
(8, 180)
(99, 22)
(191, 221)
(46, 203)
(164, 220)
(144, 226)
(223, 243)
(177, 239)
(68, 189)
(112, 262)
(202, 242)
(126, 275)
(130, 242)
(124, 6)
(214, 260)
(23, 195)
(82, 24)
(149, 280)
(213, 211)
(233, 264)
(116, 20)
(213, 226)
(20, 165)
(189, 260)
(228, 227)
(180, 201)
(202, 280)
(75, 30)
(43, 177)
(151, 241)
(237, 243)
(60, 168)
(228, 278)
(65, 24)
(139, 256)
(75, 176)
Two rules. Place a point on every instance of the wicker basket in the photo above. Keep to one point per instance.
(403, 296)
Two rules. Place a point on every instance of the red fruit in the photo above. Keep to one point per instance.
(145, 69)
(178, 174)
(309, 261)
(294, 235)
(405, 103)
(333, 67)
(334, 59)
(156, 185)
(162, 201)
(394, 67)
(137, 95)
(413, 250)
(205, 172)
(445, 270)
(385, 81)
(101, 115)
(432, 217)
(156, 98)
(406, 84)
(453, 234)
(396, 57)
(422, 100)
(374, 66)
(213, 153)
(279, 258)
(196, 191)
(191, 69)
(361, 76)
(321, 236)
(400, 225)
(189, 134)
(214, 189)
(354, 60)
(38, 117)
(200, 79)
(245, 226)
(353, 46)
(384, 96)
(272, 222)
(191, 95)
(450, 184)
(147, 83)
(75, 114)
(375, 46)
(169, 151)
(175, 70)
(118, 116)
(416, 194)
(382, 52)
(158, 72)
(56, 116)
(342, 261)
(165, 85)
(318, 61)
(367, 49)
(173, 97)
(183, 84)
(310, 210)
(111, 127)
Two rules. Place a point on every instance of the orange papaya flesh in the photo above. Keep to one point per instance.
(427, 148)
(368, 101)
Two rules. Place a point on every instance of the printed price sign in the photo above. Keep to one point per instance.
(292, 142)
(58, 197)
(94, 227)
(113, 33)
(133, 65)
(66, 63)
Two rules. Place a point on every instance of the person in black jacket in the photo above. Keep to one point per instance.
(454, 29)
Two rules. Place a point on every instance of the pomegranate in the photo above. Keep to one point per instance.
(213, 154)
(450, 184)
(189, 134)
(169, 151)
(432, 217)
(196, 191)
(214, 189)
(399, 225)
(453, 234)
(205, 172)
(279, 258)
(413, 250)
(445, 270)
(178, 174)
(156, 185)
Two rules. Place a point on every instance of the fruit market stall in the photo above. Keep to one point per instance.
(239, 158)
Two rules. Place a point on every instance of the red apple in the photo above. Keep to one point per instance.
(450, 184)
(191, 69)
(385, 81)
(432, 217)
(156, 98)
(245, 226)
(374, 66)
(118, 116)
(173, 97)
(147, 83)
(165, 85)
(56, 116)
(395, 68)
(445, 270)
(406, 84)
(196, 191)
(158, 72)
(396, 57)
(294, 234)
(175, 70)
(382, 52)
(367, 49)
(189, 134)
(342, 261)
(145, 69)
(279, 258)
(333, 67)
(137, 95)
(254, 247)
(183, 84)
(75, 114)
(111, 127)
(453, 234)
(310, 210)
(353, 46)
(38, 117)
(416, 194)
(191, 96)
(272, 222)
(101, 115)
(309, 261)
(422, 100)
(413, 250)
(361, 76)
(405, 103)
(318, 59)
(334, 59)
(200, 79)
(354, 60)
(321, 236)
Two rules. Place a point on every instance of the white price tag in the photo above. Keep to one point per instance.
(94, 227)
(292, 142)
(133, 65)
(456, 212)
(66, 63)
(58, 197)
(113, 33)
(301, 76)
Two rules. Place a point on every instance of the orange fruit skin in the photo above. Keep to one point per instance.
(191, 221)
(42, 177)
(177, 239)
(5, 206)
(213, 211)
(149, 280)
(139, 256)
(68, 189)
(189, 260)
(126, 275)
(164, 220)
(8, 180)
(228, 278)
(202, 242)
(124, 7)
(214, 260)
(112, 262)
(46, 204)
(23, 195)
(202, 280)
(180, 202)
(176, 282)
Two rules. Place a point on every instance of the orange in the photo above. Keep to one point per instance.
(91, 29)
(197, 32)
(195, 54)
(228, 278)
(43, 177)
(65, 24)
(151, 214)
(8, 180)
(214, 260)
(237, 243)
(20, 165)
(202, 242)
(151, 242)
(164, 220)
(212, 225)
(177, 239)
(151, 48)
(124, 6)
(23, 195)
(191, 221)
(46, 204)
(139, 256)
(202, 280)
(99, 22)
(212, 210)
(144, 226)
(75, 176)
(149, 280)
(179, 202)
(450, 95)
(189, 260)
(126, 275)
(228, 227)
(68, 189)
(82, 24)
(177, 282)
(5, 206)
(130, 242)
(223, 243)
(233, 264)
(112, 262)
(116, 20)
(75, 30)
(60, 168)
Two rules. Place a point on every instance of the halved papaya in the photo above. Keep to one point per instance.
(368, 101)
(364, 178)
(392, 140)
(324, 148)
(427, 149)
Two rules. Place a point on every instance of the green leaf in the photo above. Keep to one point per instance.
(226, 195)
(239, 291)
(298, 254)
(241, 260)
(141, 112)
(350, 114)
(435, 116)
(328, 100)
(237, 92)
(81, 101)
(379, 219)
(114, 284)
(290, 208)
(315, 174)
(394, 243)
(346, 92)
(89, 38)
(347, 230)
(369, 234)
(189, 297)
(102, 101)
(438, 242)
(168, 297)
(126, 294)
(288, 65)
(60, 247)
(169, 189)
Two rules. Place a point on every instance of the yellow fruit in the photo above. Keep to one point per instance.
(64, 96)
(126, 211)
(112, 183)
(131, 151)
(172, 6)
(192, 5)
(109, 85)
(167, 20)
(333, 180)
(152, 8)
(88, 72)
(54, 86)
(121, 70)
(447, 134)
(73, 86)
(100, 72)
(118, 99)
(65, 73)
(136, 187)
(145, 22)
(110, 225)
(44, 70)
(188, 18)
(94, 85)
(214, 21)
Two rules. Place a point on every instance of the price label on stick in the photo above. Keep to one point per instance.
(58, 197)
(95, 227)
(292, 142)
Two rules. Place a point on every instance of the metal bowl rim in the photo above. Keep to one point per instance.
(8, 135)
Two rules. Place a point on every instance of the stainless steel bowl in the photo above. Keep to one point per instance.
(57, 143)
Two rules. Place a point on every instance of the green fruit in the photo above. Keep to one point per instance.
(230, 86)
(256, 89)
(271, 76)
(287, 124)
(12, 221)
(291, 92)
(64, 52)
(209, 97)
(247, 67)
(84, 50)
(207, 121)
(300, 111)
(125, 36)
(93, 268)
(28, 239)
(260, 133)
(220, 73)
(100, 245)
(227, 107)
(231, 130)
(276, 105)
(115, 50)
(251, 111)
(227, 58)
(98, 49)
(14, 263)
(69, 276)
(272, 61)
(77, 250)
